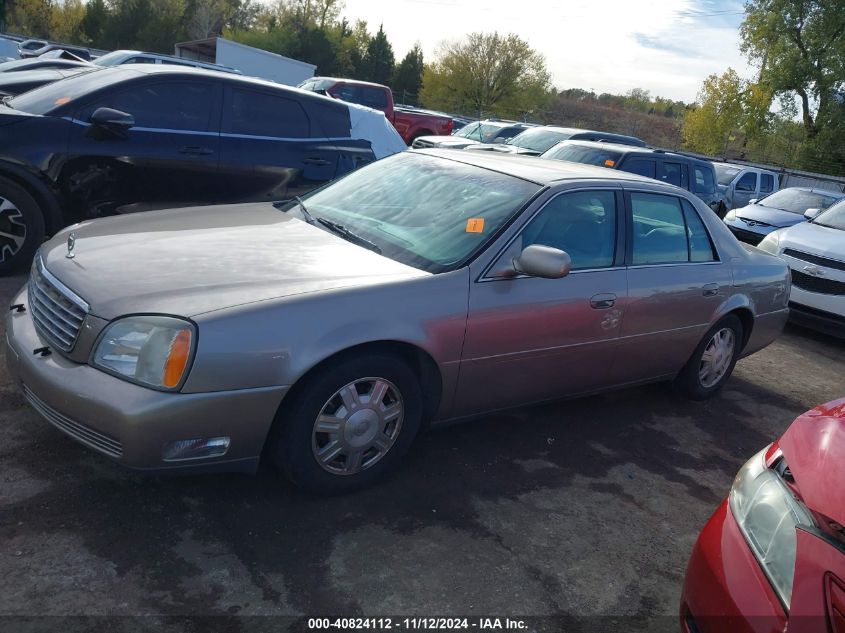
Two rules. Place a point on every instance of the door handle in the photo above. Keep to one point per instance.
(603, 301)
(193, 150)
(317, 161)
(710, 290)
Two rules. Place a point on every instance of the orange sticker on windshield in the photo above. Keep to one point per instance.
(609, 163)
(475, 225)
(61, 101)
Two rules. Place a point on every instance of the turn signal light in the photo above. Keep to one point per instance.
(177, 359)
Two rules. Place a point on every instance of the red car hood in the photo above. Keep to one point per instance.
(814, 447)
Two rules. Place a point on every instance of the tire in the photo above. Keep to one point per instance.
(374, 438)
(695, 381)
(21, 226)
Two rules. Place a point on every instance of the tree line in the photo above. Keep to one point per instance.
(791, 113)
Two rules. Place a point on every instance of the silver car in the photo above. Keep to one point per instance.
(324, 333)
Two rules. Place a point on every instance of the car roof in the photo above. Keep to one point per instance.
(824, 192)
(634, 149)
(538, 170)
(741, 167)
(346, 81)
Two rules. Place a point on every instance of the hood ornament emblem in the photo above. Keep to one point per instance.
(815, 271)
(71, 242)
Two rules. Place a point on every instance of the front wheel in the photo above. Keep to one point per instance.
(21, 226)
(713, 360)
(350, 424)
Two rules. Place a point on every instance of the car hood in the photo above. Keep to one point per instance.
(194, 260)
(815, 239)
(446, 141)
(768, 215)
(503, 148)
(814, 448)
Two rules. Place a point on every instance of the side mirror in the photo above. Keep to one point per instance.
(811, 213)
(754, 201)
(543, 261)
(113, 121)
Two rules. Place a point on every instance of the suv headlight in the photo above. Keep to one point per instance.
(771, 243)
(730, 215)
(154, 351)
(767, 514)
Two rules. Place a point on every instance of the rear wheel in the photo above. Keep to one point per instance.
(713, 360)
(350, 424)
(21, 226)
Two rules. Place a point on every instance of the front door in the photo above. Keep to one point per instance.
(745, 189)
(531, 339)
(168, 158)
(676, 282)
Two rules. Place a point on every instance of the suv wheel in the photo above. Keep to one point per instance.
(21, 226)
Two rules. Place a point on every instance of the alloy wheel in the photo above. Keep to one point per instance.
(357, 426)
(12, 229)
(717, 357)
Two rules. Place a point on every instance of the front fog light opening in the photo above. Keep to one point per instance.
(199, 448)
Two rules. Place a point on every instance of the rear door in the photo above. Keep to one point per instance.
(674, 173)
(676, 282)
(270, 148)
(168, 158)
(639, 165)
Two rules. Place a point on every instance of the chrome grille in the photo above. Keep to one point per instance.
(827, 262)
(56, 311)
(88, 436)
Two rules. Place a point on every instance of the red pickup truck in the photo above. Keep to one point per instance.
(409, 122)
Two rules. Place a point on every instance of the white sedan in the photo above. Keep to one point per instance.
(815, 253)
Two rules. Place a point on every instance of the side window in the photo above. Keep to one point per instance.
(140, 60)
(347, 93)
(767, 183)
(700, 246)
(582, 223)
(641, 166)
(261, 114)
(703, 182)
(169, 106)
(748, 182)
(672, 174)
(373, 98)
(659, 229)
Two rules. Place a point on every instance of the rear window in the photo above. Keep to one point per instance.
(726, 173)
(586, 155)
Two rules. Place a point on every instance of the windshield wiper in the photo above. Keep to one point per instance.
(305, 213)
(349, 235)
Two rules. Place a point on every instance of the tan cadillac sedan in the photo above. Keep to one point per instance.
(324, 333)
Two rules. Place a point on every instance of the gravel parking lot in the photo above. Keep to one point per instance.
(581, 508)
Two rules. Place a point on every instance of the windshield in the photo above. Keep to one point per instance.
(586, 155)
(54, 95)
(424, 211)
(538, 139)
(482, 132)
(111, 59)
(833, 218)
(726, 173)
(317, 85)
(797, 200)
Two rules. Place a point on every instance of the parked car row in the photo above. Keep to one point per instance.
(146, 136)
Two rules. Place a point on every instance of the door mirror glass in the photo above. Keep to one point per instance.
(543, 261)
(811, 213)
(111, 120)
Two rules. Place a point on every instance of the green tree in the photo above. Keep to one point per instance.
(407, 80)
(94, 22)
(31, 17)
(799, 46)
(379, 61)
(486, 74)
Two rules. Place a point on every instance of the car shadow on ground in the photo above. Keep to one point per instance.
(133, 520)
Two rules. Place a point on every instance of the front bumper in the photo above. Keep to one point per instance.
(725, 590)
(749, 234)
(129, 423)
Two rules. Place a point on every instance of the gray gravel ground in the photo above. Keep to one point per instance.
(588, 508)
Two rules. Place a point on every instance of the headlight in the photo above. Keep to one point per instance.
(768, 513)
(152, 350)
(770, 243)
(730, 215)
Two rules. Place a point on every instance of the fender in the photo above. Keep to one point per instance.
(36, 184)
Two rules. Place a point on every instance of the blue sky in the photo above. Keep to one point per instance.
(666, 47)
